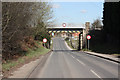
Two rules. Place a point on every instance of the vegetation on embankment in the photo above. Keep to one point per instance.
(101, 44)
(22, 25)
(106, 40)
(32, 54)
(85, 49)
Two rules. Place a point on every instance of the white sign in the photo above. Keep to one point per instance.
(52, 34)
(72, 36)
(88, 37)
(64, 24)
(44, 40)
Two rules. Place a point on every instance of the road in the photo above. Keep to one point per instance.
(0, 66)
(65, 63)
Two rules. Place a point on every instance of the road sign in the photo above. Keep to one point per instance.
(88, 37)
(52, 34)
(44, 40)
(64, 24)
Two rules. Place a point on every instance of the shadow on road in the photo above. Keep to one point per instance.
(118, 56)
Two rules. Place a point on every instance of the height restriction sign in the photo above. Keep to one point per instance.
(88, 37)
(44, 40)
(64, 24)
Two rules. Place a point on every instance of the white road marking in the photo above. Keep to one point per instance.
(102, 58)
(96, 74)
(69, 53)
(72, 56)
(1, 75)
(80, 62)
(51, 54)
(111, 61)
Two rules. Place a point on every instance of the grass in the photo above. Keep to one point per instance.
(85, 49)
(29, 55)
(116, 54)
(8, 65)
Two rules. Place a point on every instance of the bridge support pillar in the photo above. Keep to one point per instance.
(81, 41)
(80, 47)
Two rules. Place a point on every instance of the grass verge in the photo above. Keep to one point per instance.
(28, 57)
(85, 49)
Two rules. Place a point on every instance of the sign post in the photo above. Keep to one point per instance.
(44, 41)
(88, 37)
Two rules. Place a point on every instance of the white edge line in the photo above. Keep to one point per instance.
(80, 62)
(102, 58)
(67, 45)
(72, 56)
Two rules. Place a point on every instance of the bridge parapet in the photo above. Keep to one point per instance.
(65, 29)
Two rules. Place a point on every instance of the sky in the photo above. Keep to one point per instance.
(77, 12)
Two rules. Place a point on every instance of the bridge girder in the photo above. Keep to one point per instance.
(70, 30)
(66, 30)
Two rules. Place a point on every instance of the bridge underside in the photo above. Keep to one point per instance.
(75, 33)
(67, 30)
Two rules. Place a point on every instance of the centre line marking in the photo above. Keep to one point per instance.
(80, 62)
(72, 56)
(96, 74)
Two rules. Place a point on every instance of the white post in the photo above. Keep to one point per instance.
(81, 41)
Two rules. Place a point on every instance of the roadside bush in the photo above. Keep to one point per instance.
(22, 21)
(43, 35)
(98, 43)
(66, 39)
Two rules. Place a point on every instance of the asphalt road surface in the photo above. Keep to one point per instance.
(0, 66)
(65, 63)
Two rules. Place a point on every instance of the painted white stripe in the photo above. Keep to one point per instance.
(72, 56)
(80, 62)
(1, 75)
(96, 74)
(68, 53)
(51, 54)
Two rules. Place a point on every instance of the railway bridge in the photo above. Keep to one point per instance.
(77, 33)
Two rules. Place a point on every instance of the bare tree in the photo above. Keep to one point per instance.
(20, 20)
(97, 24)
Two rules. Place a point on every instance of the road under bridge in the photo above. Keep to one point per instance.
(71, 32)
